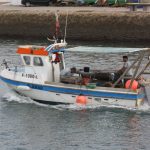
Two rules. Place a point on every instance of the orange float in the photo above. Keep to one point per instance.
(81, 99)
(134, 85)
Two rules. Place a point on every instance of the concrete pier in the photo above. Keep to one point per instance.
(84, 23)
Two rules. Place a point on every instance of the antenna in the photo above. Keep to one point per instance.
(66, 27)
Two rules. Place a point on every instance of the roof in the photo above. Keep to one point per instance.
(32, 50)
(56, 47)
(106, 49)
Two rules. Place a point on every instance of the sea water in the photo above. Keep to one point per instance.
(27, 125)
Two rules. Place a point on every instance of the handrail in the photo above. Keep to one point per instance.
(122, 76)
(137, 68)
(142, 71)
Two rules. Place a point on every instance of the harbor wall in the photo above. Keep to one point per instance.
(116, 26)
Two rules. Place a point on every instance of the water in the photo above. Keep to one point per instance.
(27, 125)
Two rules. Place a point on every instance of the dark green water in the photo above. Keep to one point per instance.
(26, 125)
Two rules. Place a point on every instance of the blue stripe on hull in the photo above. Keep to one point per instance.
(75, 91)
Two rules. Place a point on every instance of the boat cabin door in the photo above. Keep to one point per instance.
(58, 64)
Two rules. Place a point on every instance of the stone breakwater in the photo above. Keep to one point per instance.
(83, 24)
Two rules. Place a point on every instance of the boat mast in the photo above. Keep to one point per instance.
(57, 26)
(66, 27)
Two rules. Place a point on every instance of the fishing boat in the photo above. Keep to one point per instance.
(43, 78)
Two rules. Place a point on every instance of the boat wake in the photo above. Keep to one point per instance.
(14, 97)
(114, 108)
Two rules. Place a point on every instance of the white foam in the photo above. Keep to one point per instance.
(75, 107)
(89, 107)
(12, 96)
(145, 107)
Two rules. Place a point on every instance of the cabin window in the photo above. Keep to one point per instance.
(27, 59)
(37, 61)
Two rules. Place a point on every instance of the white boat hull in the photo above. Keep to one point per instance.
(59, 93)
(48, 97)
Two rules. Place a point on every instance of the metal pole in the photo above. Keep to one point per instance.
(143, 70)
(122, 76)
(53, 78)
(66, 27)
(137, 68)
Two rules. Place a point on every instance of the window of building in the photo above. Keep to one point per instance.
(27, 59)
(37, 61)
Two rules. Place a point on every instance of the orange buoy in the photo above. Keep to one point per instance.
(81, 99)
(134, 85)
